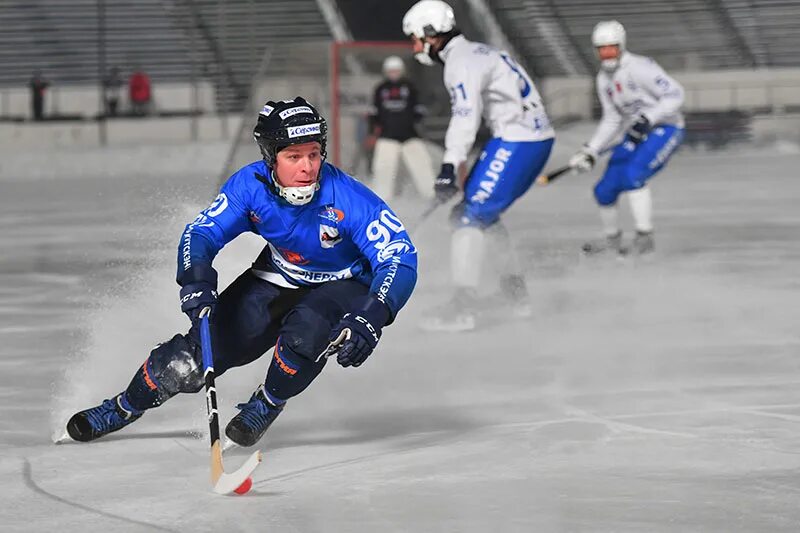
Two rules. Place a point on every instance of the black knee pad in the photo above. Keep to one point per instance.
(177, 366)
(172, 367)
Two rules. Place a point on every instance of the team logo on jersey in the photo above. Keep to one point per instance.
(618, 85)
(254, 218)
(329, 236)
(332, 214)
(293, 257)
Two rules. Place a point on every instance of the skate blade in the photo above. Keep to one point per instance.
(229, 445)
(454, 326)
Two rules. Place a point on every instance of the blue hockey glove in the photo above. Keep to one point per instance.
(639, 130)
(365, 332)
(196, 296)
(445, 184)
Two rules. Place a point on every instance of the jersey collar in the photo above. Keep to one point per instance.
(450, 46)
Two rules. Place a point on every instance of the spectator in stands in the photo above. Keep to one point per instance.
(139, 92)
(393, 128)
(112, 87)
(38, 87)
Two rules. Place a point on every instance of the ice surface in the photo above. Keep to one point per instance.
(640, 397)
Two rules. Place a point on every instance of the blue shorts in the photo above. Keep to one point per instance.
(503, 173)
(631, 165)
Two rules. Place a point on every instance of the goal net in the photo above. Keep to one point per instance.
(340, 80)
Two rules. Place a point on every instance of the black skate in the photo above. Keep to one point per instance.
(612, 243)
(111, 415)
(253, 420)
(642, 245)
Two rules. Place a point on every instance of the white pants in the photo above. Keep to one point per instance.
(416, 158)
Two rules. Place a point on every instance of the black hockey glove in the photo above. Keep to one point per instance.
(639, 130)
(445, 184)
(365, 332)
(196, 296)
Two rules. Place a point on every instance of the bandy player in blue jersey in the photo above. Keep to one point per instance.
(483, 83)
(336, 258)
(643, 101)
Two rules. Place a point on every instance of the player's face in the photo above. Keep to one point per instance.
(418, 44)
(610, 51)
(298, 165)
(394, 74)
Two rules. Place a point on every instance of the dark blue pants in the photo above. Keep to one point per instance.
(252, 316)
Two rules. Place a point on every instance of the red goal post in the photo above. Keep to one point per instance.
(355, 72)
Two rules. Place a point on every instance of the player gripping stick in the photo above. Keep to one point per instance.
(642, 100)
(483, 82)
(337, 258)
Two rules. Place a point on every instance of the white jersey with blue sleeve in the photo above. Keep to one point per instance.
(486, 82)
(346, 231)
(638, 87)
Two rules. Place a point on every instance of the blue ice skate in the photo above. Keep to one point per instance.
(253, 420)
(111, 415)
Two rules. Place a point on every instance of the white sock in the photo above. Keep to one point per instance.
(642, 209)
(466, 256)
(609, 216)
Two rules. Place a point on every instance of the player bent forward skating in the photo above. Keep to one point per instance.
(637, 97)
(336, 258)
(483, 82)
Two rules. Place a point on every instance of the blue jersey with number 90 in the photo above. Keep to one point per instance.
(346, 231)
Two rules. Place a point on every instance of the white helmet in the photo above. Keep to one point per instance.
(609, 33)
(428, 18)
(393, 63)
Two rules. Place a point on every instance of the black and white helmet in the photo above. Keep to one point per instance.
(286, 123)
